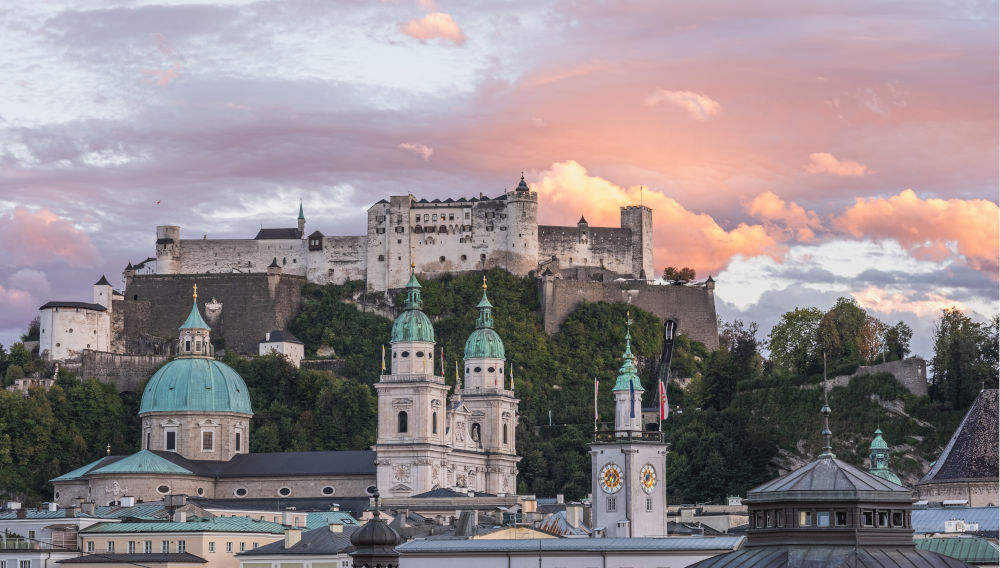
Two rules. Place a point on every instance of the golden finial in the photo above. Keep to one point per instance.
(195, 292)
(484, 282)
(109, 449)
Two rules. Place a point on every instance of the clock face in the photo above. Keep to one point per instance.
(647, 478)
(611, 478)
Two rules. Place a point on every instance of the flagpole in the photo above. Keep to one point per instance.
(596, 386)
(383, 358)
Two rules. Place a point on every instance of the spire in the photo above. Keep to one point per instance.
(194, 319)
(301, 215)
(485, 310)
(522, 186)
(878, 455)
(413, 301)
(628, 378)
(827, 434)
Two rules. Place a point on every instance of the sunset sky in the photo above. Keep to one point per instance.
(796, 151)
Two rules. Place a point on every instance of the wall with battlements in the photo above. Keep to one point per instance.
(692, 307)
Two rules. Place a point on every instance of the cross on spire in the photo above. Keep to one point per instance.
(195, 293)
(484, 282)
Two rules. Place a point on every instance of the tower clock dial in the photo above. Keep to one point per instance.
(611, 478)
(647, 478)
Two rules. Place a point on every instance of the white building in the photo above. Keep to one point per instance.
(67, 328)
(285, 343)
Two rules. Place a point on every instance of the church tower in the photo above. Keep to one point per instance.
(411, 446)
(627, 466)
(878, 455)
(491, 407)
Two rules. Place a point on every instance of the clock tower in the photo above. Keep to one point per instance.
(627, 465)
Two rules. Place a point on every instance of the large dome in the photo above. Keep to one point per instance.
(412, 325)
(196, 383)
(484, 342)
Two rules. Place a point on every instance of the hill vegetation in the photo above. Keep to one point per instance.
(740, 420)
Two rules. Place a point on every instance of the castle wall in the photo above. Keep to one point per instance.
(607, 247)
(240, 308)
(911, 373)
(692, 307)
(64, 332)
(341, 259)
(200, 256)
(127, 372)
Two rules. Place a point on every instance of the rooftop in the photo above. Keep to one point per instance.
(81, 305)
(218, 524)
(316, 541)
(972, 452)
(284, 233)
(136, 559)
(570, 545)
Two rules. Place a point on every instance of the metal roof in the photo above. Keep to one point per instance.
(143, 461)
(283, 233)
(972, 453)
(81, 471)
(136, 559)
(194, 319)
(637, 545)
(829, 479)
(82, 305)
(195, 383)
(317, 541)
(973, 550)
(932, 520)
(317, 519)
(815, 556)
(217, 524)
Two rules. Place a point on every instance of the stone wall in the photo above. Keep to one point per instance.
(911, 373)
(607, 247)
(335, 366)
(127, 372)
(692, 307)
(240, 308)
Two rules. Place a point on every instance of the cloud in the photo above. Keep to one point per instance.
(925, 305)
(685, 238)
(31, 279)
(435, 25)
(39, 237)
(770, 208)
(824, 163)
(698, 106)
(421, 150)
(930, 228)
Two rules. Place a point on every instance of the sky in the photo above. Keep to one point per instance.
(795, 151)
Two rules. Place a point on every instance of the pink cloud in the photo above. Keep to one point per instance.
(929, 227)
(422, 150)
(887, 302)
(435, 25)
(824, 163)
(770, 208)
(39, 237)
(567, 191)
(698, 106)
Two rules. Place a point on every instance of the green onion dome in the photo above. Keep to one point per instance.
(196, 383)
(628, 372)
(413, 324)
(878, 443)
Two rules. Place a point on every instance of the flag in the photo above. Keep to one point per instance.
(631, 397)
(664, 409)
(383, 357)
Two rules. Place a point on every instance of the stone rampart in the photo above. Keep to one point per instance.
(240, 308)
(335, 366)
(692, 307)
(127, 372)
(911, 373)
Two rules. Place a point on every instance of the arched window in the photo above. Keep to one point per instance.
(434, 423)
(401, 426)
(504, 433)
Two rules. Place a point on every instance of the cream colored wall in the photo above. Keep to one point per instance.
(195, 543)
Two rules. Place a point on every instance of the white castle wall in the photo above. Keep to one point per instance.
(65, 332)
(436, 237)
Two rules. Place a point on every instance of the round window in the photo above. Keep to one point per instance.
(285, 491)
(420, 353)
(479, 369)
(393, 354)
(240, 492)
(57, 494)
(201, 491)
(405, 353)
(492, 369)
(164, 489)
(328, 490)
(71, 330)
(371, 490)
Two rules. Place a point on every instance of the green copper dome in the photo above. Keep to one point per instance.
(879, 457)
(878, 443)
(484, 342)
(194, 319)
(628, 372)
(196, 383)
(413, 324)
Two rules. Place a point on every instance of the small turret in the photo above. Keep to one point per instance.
(102, 292)
(194, 339)
(878, 455)
(628, 392)
(302, 221)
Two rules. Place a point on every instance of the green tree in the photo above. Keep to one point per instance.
(964, 358)
(793, 340)
(33, 330)
(897, 341)
(685, 274)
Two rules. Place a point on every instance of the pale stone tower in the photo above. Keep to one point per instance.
(411, 445)
(492, 406)
(103, 292)
(639, 219)
(194, 405)
(522, 232)
(627, 467)
(168, 249)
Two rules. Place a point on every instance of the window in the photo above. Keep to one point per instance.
(883, 518)
(840, 518)
(504, 433)
(434, 423)
(243, 547)
(823, 519)
(181, 546)
(758, 520)
(207, 441)
(285, 492)
(419, 353)
(770, 519)
(238, 442)
(131, 547)
(229, 547)
(328, 490)
(479, 369)
(381, 258)
(164, 489)
(240, 492)
(187, 345)
(31, 535)
(805, 518)
(24, 564)
(90, 546)
(255, 546)
(164, 546)
(649, 504)
(111, 546)
(401, 422)
(897, 518)
(149, 439)
(612, 505)
(211, 546)
(147, 547)
(868, 518)
(171, 441)
(779, 519)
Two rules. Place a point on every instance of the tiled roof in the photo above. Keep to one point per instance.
(317, 541)
(218, 524)
(136, 559)
(81, 305)
(972, 452)
(285, 233)
(972, 550)
(279, 335)
(570, 545)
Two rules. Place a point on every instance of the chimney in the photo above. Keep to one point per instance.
(22, 513)
(127, 501)
(267, 336)
(335, 507)
(87, 508)
(180, 517)
(336, 528)
(71, 512)
(574, 514)
(560, 498)
(292, 536)
(286, 517)
(52, 507)
(13, 505)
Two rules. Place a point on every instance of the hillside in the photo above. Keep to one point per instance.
(749, 431)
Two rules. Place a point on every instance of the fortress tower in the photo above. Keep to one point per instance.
(639, 219)
(168, 249)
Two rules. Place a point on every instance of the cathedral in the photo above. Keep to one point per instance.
(195, 414)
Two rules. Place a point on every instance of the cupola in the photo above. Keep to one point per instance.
(484, 351)
(628, 390)
(412, 335)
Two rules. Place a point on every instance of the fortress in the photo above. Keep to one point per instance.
(252, 286)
